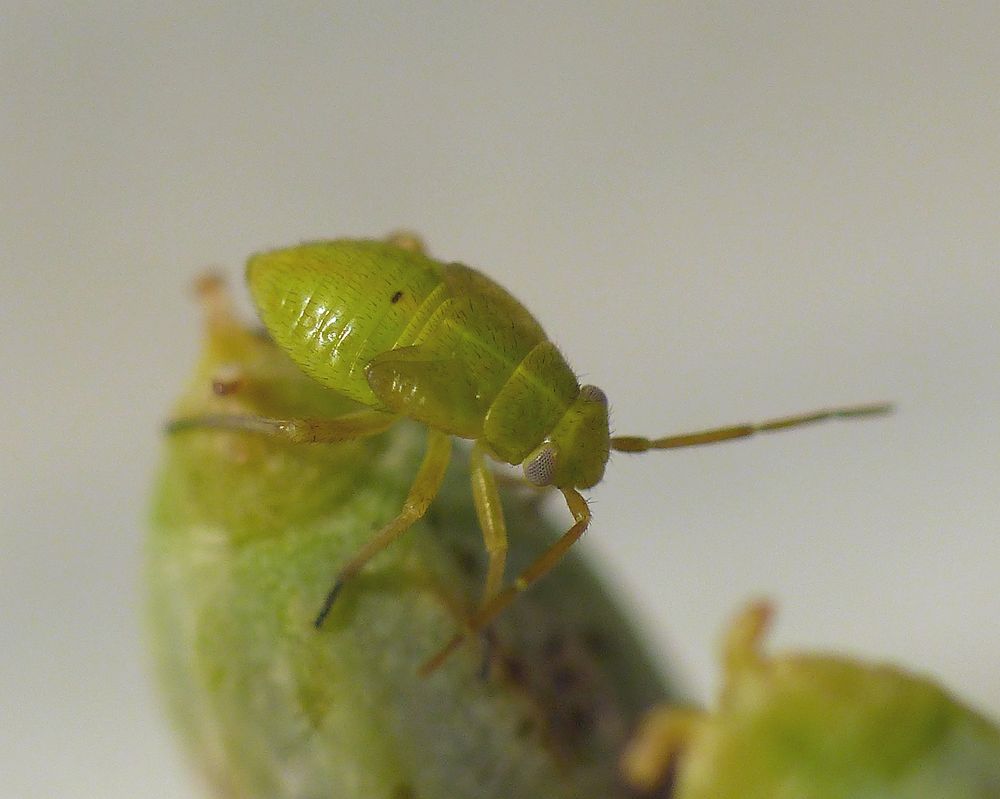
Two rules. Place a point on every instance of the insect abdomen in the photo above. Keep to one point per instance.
(334, 305)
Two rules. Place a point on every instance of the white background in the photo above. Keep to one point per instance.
(720, 212)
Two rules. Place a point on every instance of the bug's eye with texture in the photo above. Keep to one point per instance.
(593, 394)
(540, 467)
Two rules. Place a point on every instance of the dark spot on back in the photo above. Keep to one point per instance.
(396, 297)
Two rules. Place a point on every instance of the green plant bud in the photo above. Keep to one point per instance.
(815, 727)
(247, 534)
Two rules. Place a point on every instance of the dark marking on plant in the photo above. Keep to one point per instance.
(466, 560)
(581, 719)
(515, 670)
(553, 646)
(595, 641)
(564, 677)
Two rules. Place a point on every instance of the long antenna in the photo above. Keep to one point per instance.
(714, 435)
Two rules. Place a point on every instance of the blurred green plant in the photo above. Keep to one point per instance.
(247, 533)
(816, 727)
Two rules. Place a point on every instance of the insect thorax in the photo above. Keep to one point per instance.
(542, 411)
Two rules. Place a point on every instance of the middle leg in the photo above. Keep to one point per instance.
(489, 510)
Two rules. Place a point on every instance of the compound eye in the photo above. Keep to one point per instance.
(540, 467)
(593, 394)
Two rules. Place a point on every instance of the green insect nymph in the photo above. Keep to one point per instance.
(439, 343)
(407, 336)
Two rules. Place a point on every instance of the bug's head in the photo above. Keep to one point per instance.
(573, 455)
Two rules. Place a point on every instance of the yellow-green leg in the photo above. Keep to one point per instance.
(302, 431)
(542, 566)
(490, 512)
(641, 444)
(422, 492)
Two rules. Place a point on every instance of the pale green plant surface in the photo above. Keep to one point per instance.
(247, 533)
